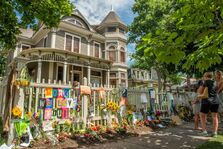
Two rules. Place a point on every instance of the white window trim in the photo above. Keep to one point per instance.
(72, 44)
(99, 48)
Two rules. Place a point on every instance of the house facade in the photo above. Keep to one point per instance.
(142, 78)
(76, 49)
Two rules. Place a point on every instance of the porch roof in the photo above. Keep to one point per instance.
(58, 55)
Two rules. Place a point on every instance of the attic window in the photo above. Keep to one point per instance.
(76, 22)
(111, 29)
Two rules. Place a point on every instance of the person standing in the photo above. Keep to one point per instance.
(209, 102)
(196, 104)
(219, 83)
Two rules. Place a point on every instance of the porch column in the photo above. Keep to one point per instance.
(89, 75)
(108, 78)
(88, 48)
(65, 73)
(53, 38)
(39, 70)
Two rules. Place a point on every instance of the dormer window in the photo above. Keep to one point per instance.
(111, 29)
(76, 22)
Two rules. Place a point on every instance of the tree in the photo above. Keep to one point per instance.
(197, 38)
(17, 14)
(151, 17)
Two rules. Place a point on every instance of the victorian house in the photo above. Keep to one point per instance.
(76, 49)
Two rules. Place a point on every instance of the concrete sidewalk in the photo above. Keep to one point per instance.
(182, 136)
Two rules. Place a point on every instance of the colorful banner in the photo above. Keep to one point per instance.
(60, 93)
(47, 114)
(66, 93)
(49, 92)
(55, 92)
(49, 102)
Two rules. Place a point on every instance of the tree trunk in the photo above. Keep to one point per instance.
(10, 94)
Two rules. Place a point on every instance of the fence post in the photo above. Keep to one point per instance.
(85, 104)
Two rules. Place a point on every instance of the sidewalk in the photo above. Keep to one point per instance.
(178, 137)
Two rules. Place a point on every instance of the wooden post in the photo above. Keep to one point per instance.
(85, 104)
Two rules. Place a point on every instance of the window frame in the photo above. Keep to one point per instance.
(112, 50)
(72, 44)
(99, 49)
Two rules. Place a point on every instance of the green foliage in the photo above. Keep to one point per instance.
(214, 143)
(2, 65)
(185, 32)
(17, 14)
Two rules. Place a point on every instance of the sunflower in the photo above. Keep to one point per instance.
(17, 112)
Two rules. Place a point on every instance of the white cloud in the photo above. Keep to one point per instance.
(96, 10)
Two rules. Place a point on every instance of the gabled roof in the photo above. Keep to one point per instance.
(112, 18)
(79, 14)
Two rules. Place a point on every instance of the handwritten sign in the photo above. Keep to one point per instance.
(60, 93)
(59, 102)
(65, 113)
(49, 102)
(70, 103)
(66, 93)
(54, 112)
(49, 92)
(55, 92)
(47, 113)
(59, 113)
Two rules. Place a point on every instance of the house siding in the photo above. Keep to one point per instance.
(48, 41)
(84, 48)
(40, 43)
(60, 39)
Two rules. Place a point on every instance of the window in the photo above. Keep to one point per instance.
(76, 44)
(72, 43)
(96, 73)
(112, 75)
(113, 82)
(68, 42)
(122, 57)
(121, 30)
(96, 50)
(60, 73)
(122, 75)
(24, 47)
(76, 22)
(111, 29)
(123, 82)
(111, 53)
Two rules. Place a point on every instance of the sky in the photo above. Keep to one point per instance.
(96, 10)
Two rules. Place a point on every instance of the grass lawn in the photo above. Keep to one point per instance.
(214, 143)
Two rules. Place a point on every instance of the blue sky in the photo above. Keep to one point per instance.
(96, 10)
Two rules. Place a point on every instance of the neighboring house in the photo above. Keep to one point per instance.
(75, 50)
(142, 78)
